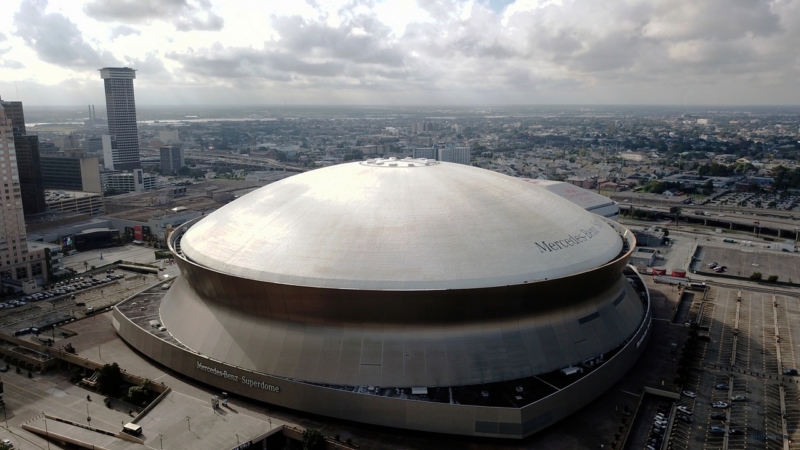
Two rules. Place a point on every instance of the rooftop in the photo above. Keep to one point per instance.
(401, 224)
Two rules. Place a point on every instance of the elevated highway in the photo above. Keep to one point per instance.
(780, 224)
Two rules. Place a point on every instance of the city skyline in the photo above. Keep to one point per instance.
(402, 52)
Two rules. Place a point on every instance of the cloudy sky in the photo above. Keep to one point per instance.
(405, 52)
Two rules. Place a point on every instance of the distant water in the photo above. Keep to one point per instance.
(76, 115)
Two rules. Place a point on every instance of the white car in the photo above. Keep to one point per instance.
(719, 405)
(689, 394)
(685, 410)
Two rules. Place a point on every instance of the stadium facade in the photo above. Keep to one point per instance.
(413, 294)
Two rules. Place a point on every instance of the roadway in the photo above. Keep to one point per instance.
(789, 226)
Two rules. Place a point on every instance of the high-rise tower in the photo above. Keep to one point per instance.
(28, 164)
(13, 242)
(121, 111)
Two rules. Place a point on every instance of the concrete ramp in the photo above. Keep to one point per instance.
(65, 431)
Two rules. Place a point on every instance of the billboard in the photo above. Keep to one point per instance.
(67, 241)
(137, 232)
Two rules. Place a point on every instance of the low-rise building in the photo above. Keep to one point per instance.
(129, 181)
(425, 152)
(633, 156)
(583, 182)
(643, 257)
(458, 155)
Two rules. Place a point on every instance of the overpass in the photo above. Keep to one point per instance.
(780, 224)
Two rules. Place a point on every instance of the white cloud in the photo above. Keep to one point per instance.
(411, 51)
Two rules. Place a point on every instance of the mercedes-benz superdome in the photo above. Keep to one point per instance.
(408, 293)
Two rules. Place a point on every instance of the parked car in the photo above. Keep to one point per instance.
(735, 431)
(790, 371)
(722, 387)
(739, 398)
(719, 405)
(689, 394)
(718, 416)
(684, 409)
(684, 418)
(716, 430)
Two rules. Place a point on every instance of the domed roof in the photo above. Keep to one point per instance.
(401, 225)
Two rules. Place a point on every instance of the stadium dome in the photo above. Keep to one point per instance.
(415, 224)
(409, 293)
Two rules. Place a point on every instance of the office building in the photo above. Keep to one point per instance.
(121, 112)
(16, 262)
(425, 152)
(47, 148)
(169, 137)
(125, 182)
(93, 145)
(28, 164)
(458, 155)
(171, 158)
(447, 299)
(109, 145)
(30, 174)
(423, 127)
(79, 173)
(15, 115)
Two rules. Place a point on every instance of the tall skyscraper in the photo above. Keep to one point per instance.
(15, 116)
(121, 111)
(30, 174)
(171, 158)
(29, 169)
(13, 241)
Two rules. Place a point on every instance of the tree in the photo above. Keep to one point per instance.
(139, 395)
(756, 276)
(313, 440)
(708, 187)
(5, 446)
(109, 379)
(773, 279)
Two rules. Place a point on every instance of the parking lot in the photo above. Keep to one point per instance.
(740, 262)
(60, 307)
(753, 200)
(740, 395)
